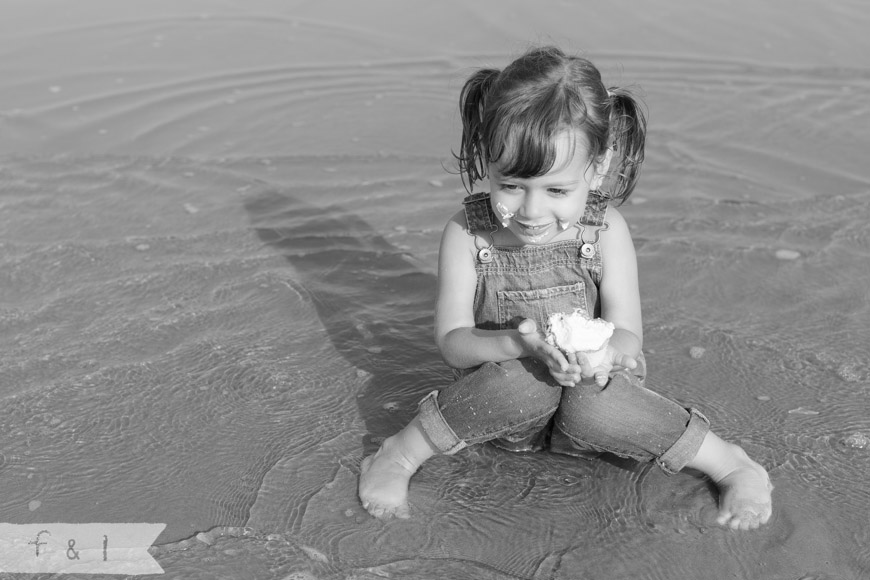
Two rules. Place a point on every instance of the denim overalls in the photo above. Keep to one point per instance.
(516, 404)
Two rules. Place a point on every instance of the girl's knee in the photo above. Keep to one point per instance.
(496, 399)
(624, 418)
(498, 384)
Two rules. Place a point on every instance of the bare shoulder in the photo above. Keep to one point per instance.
(457, 222)
(617, 222)
(617, 228)
(455, 239)
(616, 243)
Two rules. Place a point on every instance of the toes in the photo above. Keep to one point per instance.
(385, 511)
(748, 520)
(402, 512)
(382, 512)
(376, 510)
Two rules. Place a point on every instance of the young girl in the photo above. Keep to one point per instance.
(559, 151)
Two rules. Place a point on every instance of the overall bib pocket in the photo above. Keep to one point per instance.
(539, 304)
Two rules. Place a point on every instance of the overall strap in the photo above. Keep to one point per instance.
(590, 250)
(478, 213)
(481, 224)
(596, 208)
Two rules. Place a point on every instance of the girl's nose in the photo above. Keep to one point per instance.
(532, 205)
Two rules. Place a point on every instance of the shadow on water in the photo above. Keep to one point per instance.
(375, 305)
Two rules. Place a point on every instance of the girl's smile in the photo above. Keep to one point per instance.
(534, 233)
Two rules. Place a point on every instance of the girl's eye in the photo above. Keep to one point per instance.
(509, 186)
(558, 192)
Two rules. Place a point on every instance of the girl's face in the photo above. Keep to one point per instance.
(538, 204)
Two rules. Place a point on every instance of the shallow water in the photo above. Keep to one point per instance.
(219, 227)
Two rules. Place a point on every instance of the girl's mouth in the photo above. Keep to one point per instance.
(534, 232)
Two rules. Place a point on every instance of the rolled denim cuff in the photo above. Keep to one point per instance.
(686, 447)
(436, 428)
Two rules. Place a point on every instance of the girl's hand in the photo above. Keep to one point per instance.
(565, 369)
(613, 360)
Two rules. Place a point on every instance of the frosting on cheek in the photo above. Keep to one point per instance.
(506, 215)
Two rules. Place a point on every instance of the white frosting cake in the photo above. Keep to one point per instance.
(576, 333)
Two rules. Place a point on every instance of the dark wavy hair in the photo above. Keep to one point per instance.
(513, 116)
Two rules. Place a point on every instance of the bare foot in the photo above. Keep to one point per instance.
(383, 482)
(744, 500)
(384, 476)
(744, 486)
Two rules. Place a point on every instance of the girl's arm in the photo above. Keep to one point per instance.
(462, 345)
(620, 293)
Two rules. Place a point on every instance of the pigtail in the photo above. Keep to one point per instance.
(627, 137)
(472, 155)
